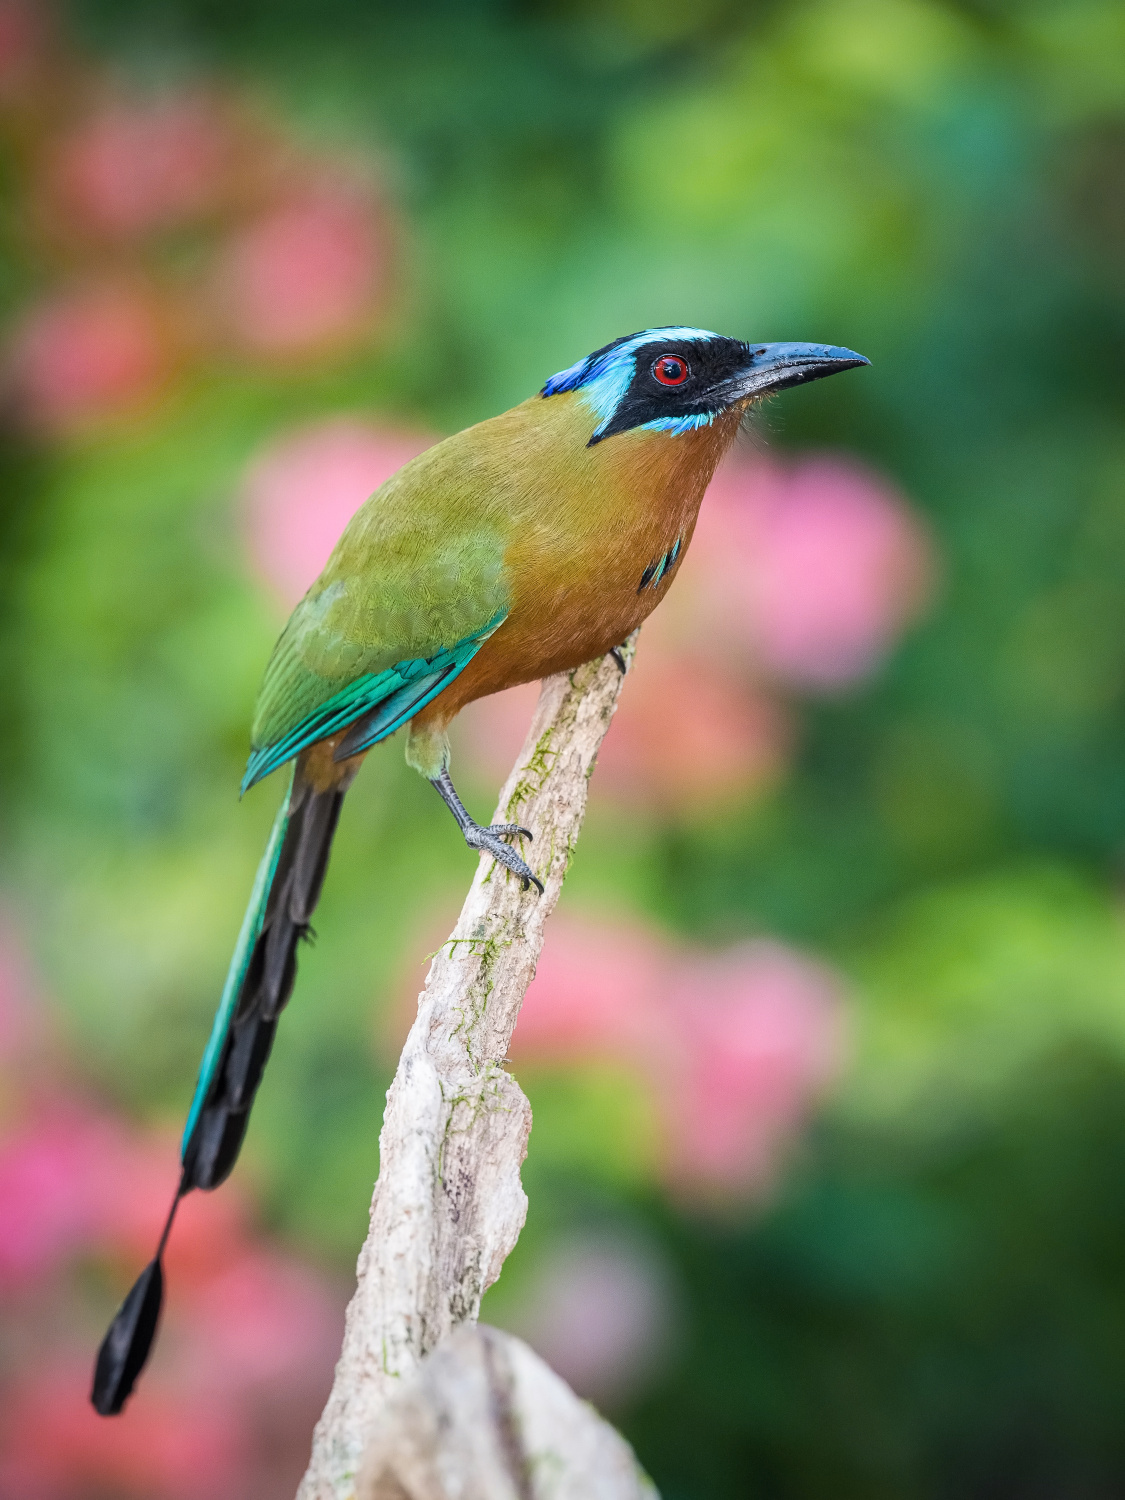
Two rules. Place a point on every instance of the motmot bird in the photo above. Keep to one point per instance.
(521, 547)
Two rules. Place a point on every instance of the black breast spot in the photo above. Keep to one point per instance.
(656, 570)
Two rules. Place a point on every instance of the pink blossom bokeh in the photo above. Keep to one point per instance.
(72, 1178)
(813, 565)
(759, 1033)
(176, 1445)
(173, 226)
(250, 1334)
(309, 274)
(138, 166)
(736, 1047)
(303, 489)
(24, 32)
(97, 351)
(688, 735)
(593, 992)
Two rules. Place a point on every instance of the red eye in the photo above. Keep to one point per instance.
(670, 369)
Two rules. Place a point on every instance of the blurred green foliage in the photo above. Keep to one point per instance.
(935, 1305)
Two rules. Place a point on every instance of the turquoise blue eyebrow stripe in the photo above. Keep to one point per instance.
(604, 379)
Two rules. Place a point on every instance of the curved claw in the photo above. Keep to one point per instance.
(486, 839)
(509, 830)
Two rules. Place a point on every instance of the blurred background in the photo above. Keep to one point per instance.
(827, 1048)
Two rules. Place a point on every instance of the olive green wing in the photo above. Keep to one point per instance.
(405, 602)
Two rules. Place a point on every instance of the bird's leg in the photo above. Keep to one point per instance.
(618, 655)
(490, 839)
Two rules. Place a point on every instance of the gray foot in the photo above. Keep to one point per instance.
(491, 840)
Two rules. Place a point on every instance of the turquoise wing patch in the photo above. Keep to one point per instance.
(397, 693)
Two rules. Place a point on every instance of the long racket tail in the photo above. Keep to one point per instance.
(259, 982)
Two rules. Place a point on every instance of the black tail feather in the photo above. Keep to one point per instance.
(126, 1346)
(251, 1043)
(270, 975)
(311, 861)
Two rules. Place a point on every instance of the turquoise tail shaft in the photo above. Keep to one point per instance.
(240, 961)
(260, 980)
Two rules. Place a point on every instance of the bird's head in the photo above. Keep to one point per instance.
(676, 380)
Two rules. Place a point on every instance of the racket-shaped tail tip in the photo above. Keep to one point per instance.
(126, 1346)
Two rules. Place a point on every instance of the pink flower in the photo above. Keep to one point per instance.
(300, 493)
(249, 1337)
(55, 1175)
(170, 1446)
(759, 1039)
(736, 1047)
(24, 30)
(309, 275)
(76, 1183)
(690, 733)
(262, 1320)
(818, 566)
(85, 355)
(594, 992)
(137, 167)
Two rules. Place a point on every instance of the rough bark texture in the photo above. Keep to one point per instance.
(448, 1206)
(485, 1419)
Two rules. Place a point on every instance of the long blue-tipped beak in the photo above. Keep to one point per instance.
(774, 367)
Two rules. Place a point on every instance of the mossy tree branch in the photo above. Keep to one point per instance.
(448, 1205)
